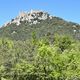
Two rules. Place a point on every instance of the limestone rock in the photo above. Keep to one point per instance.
(32, 17)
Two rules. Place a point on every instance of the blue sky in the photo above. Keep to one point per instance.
(67, 9)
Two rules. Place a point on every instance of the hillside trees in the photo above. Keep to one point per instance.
(39, 59)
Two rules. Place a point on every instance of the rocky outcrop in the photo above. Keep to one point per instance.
(32, 17)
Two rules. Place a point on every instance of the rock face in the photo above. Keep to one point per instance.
(32, 17)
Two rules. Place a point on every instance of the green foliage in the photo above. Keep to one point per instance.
(34, 52)
(40, 60)
(63, 42)
(52, 26)
(22, 71)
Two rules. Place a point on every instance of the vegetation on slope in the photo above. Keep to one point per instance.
(48, 50)
(40, 59)
(50, 26)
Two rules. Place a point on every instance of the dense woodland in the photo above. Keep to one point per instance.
(40, 58)
(48, 50)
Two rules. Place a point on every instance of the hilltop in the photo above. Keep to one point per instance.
(40, 22)
(38, 46)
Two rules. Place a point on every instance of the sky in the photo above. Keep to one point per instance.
(66, 9)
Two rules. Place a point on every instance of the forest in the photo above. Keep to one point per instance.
(46, 58)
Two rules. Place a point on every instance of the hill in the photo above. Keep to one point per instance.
(22, 27)
(38, 46)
